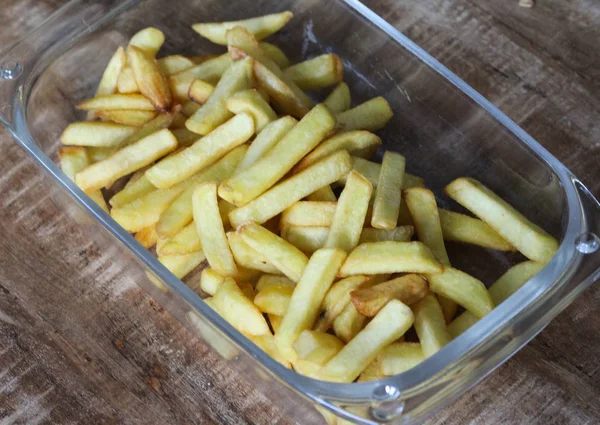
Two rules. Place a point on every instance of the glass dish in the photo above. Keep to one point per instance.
(443, 127)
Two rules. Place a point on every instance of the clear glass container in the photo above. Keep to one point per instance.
(443, 127)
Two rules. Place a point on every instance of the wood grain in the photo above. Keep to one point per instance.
(78, 349)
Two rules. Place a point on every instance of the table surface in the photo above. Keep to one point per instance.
(109, 355)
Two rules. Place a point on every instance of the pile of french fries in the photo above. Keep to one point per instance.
(319, 255)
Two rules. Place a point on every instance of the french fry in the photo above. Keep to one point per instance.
(371, 170)
(109, 81)
(111, 102)
(185, 137)
(278, 198)
(126, 83)
(349, 217)
(131, 192)
(430, 325)
(209, 71)
(307, 298)
(260, 27)
(317, 347)
(149, 40)
(325, 194)
(372, 115)
(247, 289)
(513, 279)
(148, 78)
(180, 212)
(162, 120)
(531, 240)
(199, 92)
(283, 255)
(386, 206)
(210, 229)
(248, 257)
(390, 324)
(74, 159)
(357, 143)
(98, 153)
(348, 323)
(274, 299)
(127, 117)
(147, 237)
(189, 107)
(461, 323)
(449, 307)
(462, 228)
(374, 371)
(266, 343)
(463, 289)
(251, 102)
(339, 99)
(317, 73)
(409, 289)
(336, 299)
(275, 54)
(203, 153)
(308, 213)
(275, 322)
(210, 280)
(93, 133)
(398, 234)
(264, 173)
(231, 303)
(266, 140)
(390, 257)
(267, 280)
(400, 357)
(182, 265)
(173, 64)
(126, 160)
(183, 242)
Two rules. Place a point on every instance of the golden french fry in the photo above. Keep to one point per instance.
(203, 153)
(158, 123)
(306, 239)
(409, 289)
(339, 99)
(111, 102)
(463, 289)
(531, 240)
(248, 257)
(109, 81)
(260, 27)
(430, 325)
(462, 228)
(127, 117)
(199, 92)
(307, 298)
(399, 234)
(189, 107)
(267, 280)
(308, 213)
(349, 217)
(386, 206)
(214, 112)
(372, 115)
(336, 299)
(147, 237)
(266, 140)
(357, 143)
(275, 54)
(126, 83)
(182, 265)
(210, 229)
(278, 198)
(173, 64)
(74, 159)
(247, 289)
(132, 191)
(401, 356)
(93, 133)
(209, 71)
(274, 299)
(390, 257)
(183, 242)
(349, 323)
(148, 78)
(180, 212)
(371, 170)
(283, 255)
(325, 194)
(317, 73)
(390, 324)
(266, 343)
(264, 173)
(231, 303)
(126, 160)
(317, 347)
(423, 209)
(461, 324)
(149, 40)
(251, 102)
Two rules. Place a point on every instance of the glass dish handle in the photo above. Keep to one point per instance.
(588, 242)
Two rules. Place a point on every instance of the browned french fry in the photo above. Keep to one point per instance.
(149, 80)
(147, 237)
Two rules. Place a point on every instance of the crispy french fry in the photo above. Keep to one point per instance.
(199, 92)
(423, 209)
(111, 102)
(173, 64)
(462, 228)
(278, 198)
(386, 206)
(339, 99)
(251, 102)
(133, 191)
(231, 303)
(274, 299)
(461, 323)
(531, 240)
(283, 255)
(126, 160)
(325, 194)
(126, 83)
(147, 237)
(210, 280)
(261, 27)
(109, 81)
(182, 265)
(430, 325)
(463, 289)
(372, 115)
(390, 324)
(92, 133)
(317, 73)
(349, 323)
(210, 229)
(266, 140)
(398, 234)
(307, 298)
(127, 117)
(209, 71)
(317, 347)
(275, 54)
(148, 78)
(74, 159)
(266, 343)
(203, 153)
(308, 213)
(409, 289)
(248, 257)
(183, 242)
(189, 107)
(336, 299)
(390, 257)
(149, 40)
(401, 356)
(264, 173)
(214, 112)
(357, 143)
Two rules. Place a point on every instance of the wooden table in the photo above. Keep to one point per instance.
(77, 350)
